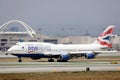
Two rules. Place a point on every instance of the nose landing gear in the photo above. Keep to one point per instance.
(20, 60)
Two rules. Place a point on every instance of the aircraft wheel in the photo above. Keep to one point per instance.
(20, 60)
(6, 53)
(58, 60)
(62, 60)
(50, 60)
(65, 61)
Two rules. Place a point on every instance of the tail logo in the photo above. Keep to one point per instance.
(105, 42)
(105, 38)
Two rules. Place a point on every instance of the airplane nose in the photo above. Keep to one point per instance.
(9, 50)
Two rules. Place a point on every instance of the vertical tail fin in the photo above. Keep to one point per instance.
(104, 38)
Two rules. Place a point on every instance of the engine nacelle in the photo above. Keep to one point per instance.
(64, 57)
(35, 58)
(90, 55)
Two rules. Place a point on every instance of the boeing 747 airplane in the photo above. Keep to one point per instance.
(63, 52)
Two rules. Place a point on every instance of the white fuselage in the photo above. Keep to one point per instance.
(48, 48)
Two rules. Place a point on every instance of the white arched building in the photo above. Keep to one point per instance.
(29, 30)
(9, 38)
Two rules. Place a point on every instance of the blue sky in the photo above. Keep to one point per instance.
(63, 17)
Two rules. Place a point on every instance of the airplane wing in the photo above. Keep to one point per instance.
(88, 54)
(95, 52)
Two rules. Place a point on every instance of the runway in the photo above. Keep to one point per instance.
(24, 67)
(97, 64)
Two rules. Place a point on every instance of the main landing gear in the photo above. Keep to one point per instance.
(62, 60)
(50, 60)
(20, 60)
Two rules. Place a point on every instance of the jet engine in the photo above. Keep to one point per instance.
(89, 55)
(64, 58)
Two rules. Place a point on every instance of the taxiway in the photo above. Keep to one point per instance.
(24, 67)
(98, 64)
